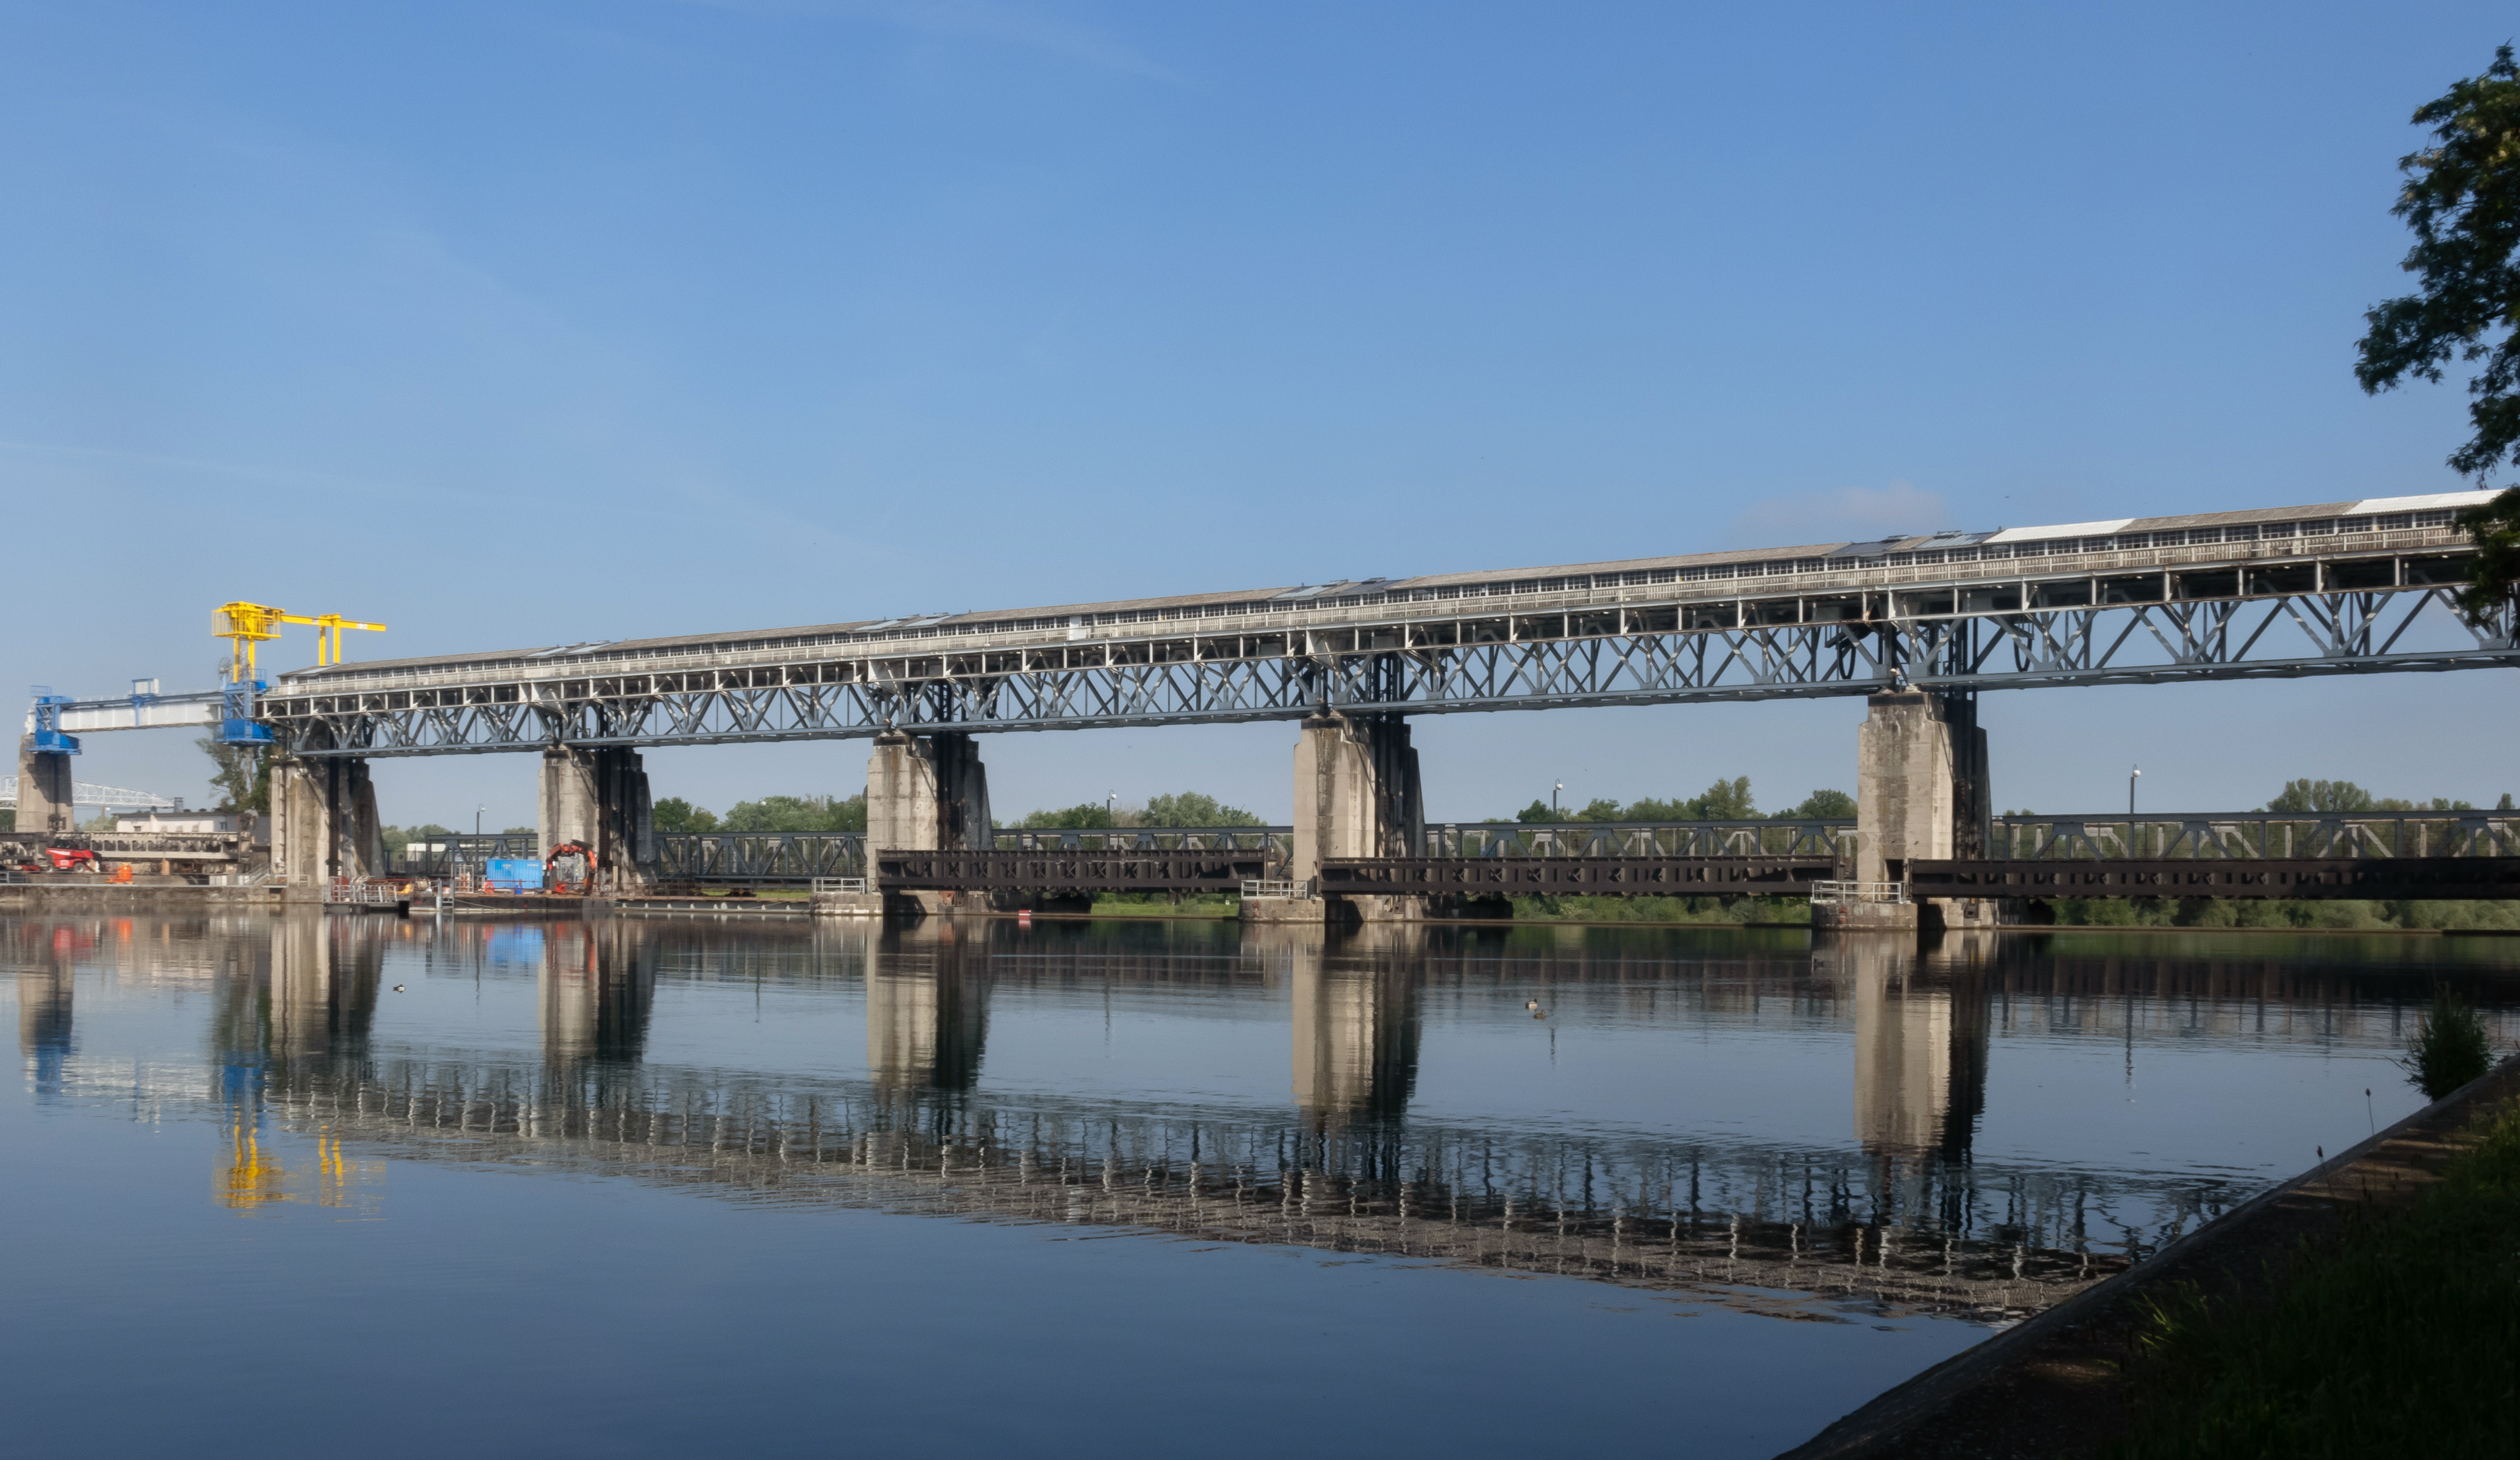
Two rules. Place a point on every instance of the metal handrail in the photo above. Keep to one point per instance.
(360, 893)
(1257, 887)
(840, 884)
(1843, 894)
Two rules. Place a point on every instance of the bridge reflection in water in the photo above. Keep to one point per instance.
(1901, 1219)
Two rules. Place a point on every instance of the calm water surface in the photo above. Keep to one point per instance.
(636, 1187)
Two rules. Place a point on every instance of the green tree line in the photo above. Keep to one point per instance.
(849, 813)
(1724, 801)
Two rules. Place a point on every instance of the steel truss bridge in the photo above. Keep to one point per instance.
(2440, 854)
(2355, 592)
(88, 793)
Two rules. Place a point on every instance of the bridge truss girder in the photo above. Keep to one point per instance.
(1627, 655)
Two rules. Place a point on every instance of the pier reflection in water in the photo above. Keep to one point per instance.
(1417, 1109)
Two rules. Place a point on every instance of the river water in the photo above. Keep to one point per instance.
(633, 1187)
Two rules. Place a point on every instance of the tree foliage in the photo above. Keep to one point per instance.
(2462, 200)
(1724, 801)
(797, 813)
(2322, 796)
(242, 776)
(1088, 816)
(1193, 809)
(674, 813)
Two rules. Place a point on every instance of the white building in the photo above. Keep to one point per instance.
(177, 818)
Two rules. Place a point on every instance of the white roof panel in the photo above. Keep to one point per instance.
(2066, 530)
(2422, 504)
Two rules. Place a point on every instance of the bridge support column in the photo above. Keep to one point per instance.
(43, 789)
(598, 799)
(927, 793)
(1921, 794)
(323, 824)
(1357, 794)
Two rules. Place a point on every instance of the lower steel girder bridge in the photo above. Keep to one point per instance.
(1920, 624)
(2389, 855)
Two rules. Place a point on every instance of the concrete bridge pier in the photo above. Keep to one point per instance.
(1357, 794)
(1921, 794)
(598, 799)
(323, 824)
(43, 789)
(927, 793)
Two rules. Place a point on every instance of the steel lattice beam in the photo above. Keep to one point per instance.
(2102, 619)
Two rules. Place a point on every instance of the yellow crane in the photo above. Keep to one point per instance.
(245, 625)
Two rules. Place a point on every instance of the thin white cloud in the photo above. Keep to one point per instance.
(970, 19)
(1848, 515)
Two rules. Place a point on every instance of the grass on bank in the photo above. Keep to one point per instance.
(2400, 1338)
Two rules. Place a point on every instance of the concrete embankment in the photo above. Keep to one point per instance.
(97, 894)
(2052, 1387)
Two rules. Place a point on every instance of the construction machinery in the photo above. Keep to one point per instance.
(245, 626)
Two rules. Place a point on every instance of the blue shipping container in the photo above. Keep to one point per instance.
(516, 874)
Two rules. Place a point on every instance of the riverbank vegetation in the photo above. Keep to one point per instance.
(2396, 1339)
(2449, 1047)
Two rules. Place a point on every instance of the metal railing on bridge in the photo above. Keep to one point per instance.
(804, 856)
(760, 855)
(1276, 843)
(2324, 836)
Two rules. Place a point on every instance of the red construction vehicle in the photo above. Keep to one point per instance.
(570, 870)
(62, 860)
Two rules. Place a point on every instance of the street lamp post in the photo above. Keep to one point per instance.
(2131, 780)
(1554, 811)
(477, 818)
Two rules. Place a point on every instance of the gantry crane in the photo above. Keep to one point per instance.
(245, 625)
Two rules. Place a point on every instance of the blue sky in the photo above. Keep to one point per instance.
(531, 323)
